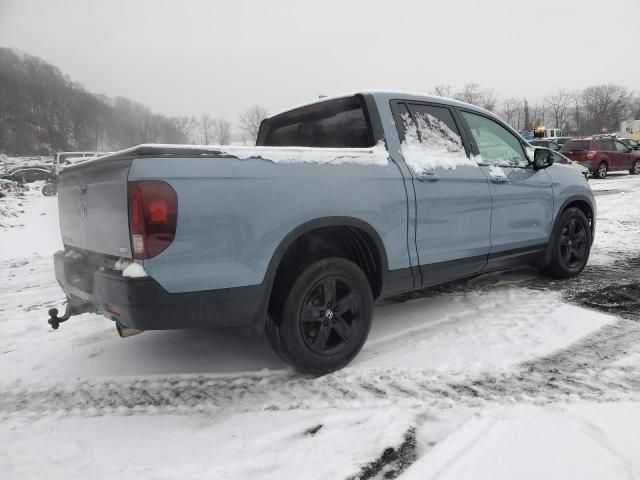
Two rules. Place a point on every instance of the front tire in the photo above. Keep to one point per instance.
(601, 172)
(325, 317)
(571, 244)
(635, 170)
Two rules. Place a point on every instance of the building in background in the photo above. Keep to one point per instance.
(630, 128)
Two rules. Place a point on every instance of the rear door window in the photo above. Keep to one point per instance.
(605, 145)
(331, 124)
(429, 137)
(575, 146)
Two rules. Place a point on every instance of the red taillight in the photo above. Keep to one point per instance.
(591, 154)
(153, 216)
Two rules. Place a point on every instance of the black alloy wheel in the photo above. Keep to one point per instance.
(325, 317)
(570, 244)
(573, 243)
(330, 315)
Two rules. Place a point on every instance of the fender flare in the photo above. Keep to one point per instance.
(306, 227)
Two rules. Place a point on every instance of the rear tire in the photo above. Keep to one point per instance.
(571, 244)
(325, 317)
(635, 170)
(601, 171)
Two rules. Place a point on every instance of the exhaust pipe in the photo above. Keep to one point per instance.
(125, 331)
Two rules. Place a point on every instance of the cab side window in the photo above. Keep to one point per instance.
(497, 145)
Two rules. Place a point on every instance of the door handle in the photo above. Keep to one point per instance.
(428, 176)
(499, 179)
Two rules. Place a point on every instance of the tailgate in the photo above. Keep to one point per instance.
(92, 199)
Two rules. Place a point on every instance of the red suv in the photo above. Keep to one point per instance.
(602, 155)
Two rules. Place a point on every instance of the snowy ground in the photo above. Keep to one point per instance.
(502, 376)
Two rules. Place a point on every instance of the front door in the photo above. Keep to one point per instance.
(522, 198)
(624, 158)
(453, 202)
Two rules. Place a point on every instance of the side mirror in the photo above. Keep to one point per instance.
(542, 158)
(629, 149)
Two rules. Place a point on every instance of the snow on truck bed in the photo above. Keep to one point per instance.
(377, 155)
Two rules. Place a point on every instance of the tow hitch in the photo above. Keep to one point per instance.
(70, 310)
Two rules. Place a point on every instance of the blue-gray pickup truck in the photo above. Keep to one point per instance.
(341, 203)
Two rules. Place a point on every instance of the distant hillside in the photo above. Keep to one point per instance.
(43, 111)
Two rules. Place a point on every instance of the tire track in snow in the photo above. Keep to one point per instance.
(345, 389)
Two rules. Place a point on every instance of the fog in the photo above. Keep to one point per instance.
(219, 57)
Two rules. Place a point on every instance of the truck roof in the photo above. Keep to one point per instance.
(385, 95)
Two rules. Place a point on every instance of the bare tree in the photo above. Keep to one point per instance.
(251, 119)
(538, 115)
(443, 91)
(489, 99)
(576, 98)
(470, 93)
(222, 131)
(511, 111)
(205, 126)
(605, 106)
(473, 94)
(559, 104)
(187, 126)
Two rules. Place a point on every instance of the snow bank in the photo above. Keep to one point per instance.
(429, 143)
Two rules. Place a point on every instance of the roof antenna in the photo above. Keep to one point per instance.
(321, 96)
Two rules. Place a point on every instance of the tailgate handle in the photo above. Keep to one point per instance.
(83, 188)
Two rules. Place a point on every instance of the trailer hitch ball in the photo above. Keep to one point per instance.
(55, 320)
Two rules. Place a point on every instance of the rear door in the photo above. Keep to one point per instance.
(453, 202)
(522, 198)
(607, 153)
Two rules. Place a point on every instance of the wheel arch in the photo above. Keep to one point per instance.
(356, 233)
(584, 204)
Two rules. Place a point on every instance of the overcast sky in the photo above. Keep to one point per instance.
(212, 56)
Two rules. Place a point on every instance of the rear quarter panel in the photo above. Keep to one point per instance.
(233, 214)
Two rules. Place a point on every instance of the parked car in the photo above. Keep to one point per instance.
(562, 160)
(343, 202)
(602, 155)
(631, 143)
(27, 174)
(69, 158)
(550, 144)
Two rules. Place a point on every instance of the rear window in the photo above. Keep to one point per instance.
(573, 145)
(331, 124)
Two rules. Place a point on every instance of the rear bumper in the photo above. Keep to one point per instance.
(143, 304)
